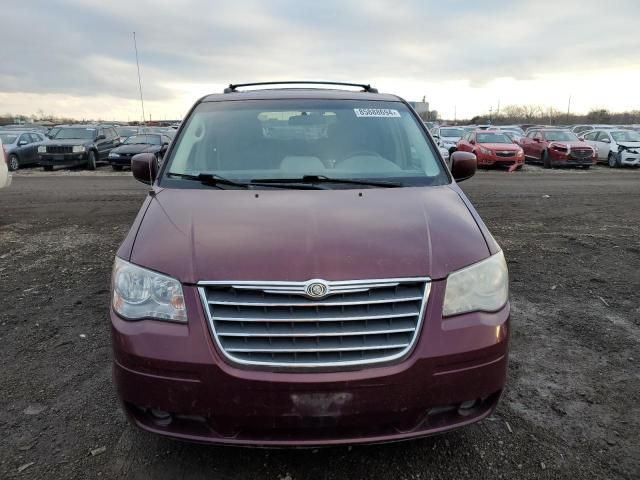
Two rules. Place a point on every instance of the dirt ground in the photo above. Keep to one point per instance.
(571, 409)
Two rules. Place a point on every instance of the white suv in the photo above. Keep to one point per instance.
(5, 178)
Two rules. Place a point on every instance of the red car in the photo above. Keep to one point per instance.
(555, 147)
(492, 148)
(306, 271)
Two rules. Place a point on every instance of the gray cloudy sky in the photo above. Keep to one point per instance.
(76, 57)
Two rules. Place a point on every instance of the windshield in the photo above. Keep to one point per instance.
(76, 133)
(284, 139)
(493, 138)
(626, 136)
(452, 132)
(556, 136)
(146, 139)
(8, 138)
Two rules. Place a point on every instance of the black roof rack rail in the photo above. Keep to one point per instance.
(365, 87)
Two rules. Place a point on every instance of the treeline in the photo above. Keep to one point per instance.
(523, 114)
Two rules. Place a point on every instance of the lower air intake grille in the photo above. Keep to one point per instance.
(281, 324)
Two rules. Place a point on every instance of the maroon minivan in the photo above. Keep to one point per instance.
(306, 271)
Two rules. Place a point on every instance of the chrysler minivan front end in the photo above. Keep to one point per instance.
(305, 271)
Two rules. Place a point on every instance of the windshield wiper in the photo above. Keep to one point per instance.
(208, 179)
(313, 179)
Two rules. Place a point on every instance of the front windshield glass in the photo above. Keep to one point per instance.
(8, 138)
(284, 139)
(493, 138)
(559, 136)
(451, 132)
(626, 136)
(76, 133)
(146, 139)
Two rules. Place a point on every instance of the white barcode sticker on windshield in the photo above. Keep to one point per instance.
(377, 112)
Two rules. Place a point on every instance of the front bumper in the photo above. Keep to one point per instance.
(630, 159)
(62, 159)
(120, 161)
(563, 159)
(484, 159)
(178, 369)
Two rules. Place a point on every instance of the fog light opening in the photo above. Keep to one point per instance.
(161, 417)
(467, 408)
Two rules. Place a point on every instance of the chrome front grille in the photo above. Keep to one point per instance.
(581, 153)
(59, 149)
(279, 324)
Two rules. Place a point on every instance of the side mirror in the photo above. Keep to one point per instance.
(463, 165)
(101, 137)
(144, 167)
(436, 136)
(606, 140)
(472, 141)
(535, 139)
(22, 143)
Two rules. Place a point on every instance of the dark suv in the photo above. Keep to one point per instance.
(78, 145)
(305, 270)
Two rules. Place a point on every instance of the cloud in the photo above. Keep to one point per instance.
(81, 49)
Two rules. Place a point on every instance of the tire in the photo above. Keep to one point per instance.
(91, 160)
(14, 162)
(117, 168)
(612, 160)
(546, 161)
(48, 168)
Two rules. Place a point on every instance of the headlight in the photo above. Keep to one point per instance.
(520, 153)
(78, 149)
(140, 293)
(42, 149)
(483, 286)
(114, 155)
(486, 151)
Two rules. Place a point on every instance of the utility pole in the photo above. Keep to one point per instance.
(455, 114)
(498, 112)
(490, 112)
(135, 46)
(569, 109)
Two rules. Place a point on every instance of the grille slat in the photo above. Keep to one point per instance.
(275, 324)
(59, 149)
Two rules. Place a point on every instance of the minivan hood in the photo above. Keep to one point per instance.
(297, 235)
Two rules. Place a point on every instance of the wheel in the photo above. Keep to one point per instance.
(612, 160)
(91, 161)
(546, 161)
(14, 162)
(117, 168)
(48, 168)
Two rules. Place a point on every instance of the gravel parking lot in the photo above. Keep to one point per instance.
(571, 410)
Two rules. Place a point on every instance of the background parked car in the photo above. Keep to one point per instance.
(21, 147)
(448, 137)
(555, 147)
(616, 147)
(78, 145)
(143, 143)
(492, 148)
(126, 132)
(5, 178)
